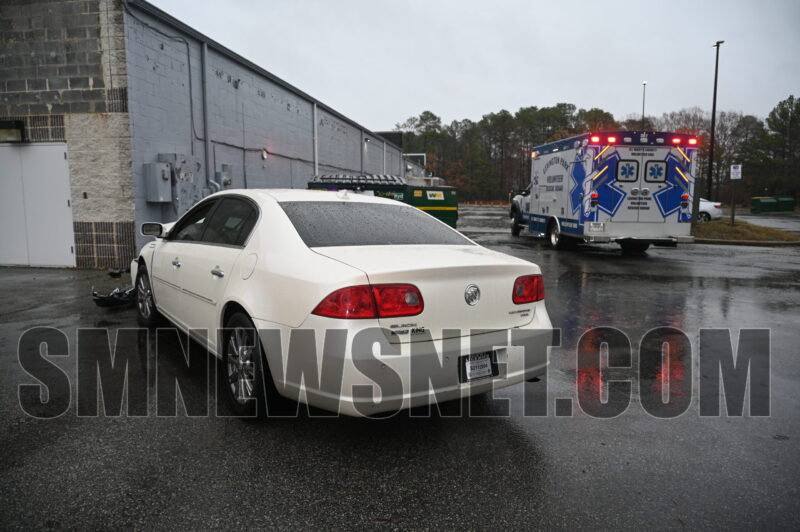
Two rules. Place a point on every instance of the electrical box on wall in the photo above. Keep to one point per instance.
(224, 177)
(158, 182)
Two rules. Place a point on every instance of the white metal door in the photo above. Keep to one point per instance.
(14, 247)
(653, 169)
(35, 209)
(628, 171)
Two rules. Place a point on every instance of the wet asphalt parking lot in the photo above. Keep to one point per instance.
(633, 471)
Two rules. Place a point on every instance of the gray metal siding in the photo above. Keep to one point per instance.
(248, 112)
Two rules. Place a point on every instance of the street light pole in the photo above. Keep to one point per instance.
(644, 89)
(713, 126)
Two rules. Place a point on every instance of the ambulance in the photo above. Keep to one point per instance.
(633, 188)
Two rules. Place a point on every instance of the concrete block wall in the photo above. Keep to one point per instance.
(62, 71)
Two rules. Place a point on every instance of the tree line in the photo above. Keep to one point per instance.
(488, 158)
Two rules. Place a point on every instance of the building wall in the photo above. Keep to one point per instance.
(122, 85)
(62, 71)
(250, 116)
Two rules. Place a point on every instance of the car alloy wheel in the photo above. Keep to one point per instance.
(241, 365)
(144, 297)
(704, 217)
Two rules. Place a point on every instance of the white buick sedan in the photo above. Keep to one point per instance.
(351, 303)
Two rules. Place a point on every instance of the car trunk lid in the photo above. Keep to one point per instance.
(443, 275)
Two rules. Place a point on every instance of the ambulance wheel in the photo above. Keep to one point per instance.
(516, 223)
(555, 238)
(634, 247)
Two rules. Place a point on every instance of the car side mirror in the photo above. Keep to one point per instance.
(526, 192)
(153, 229)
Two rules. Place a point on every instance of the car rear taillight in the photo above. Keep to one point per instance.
(527, 289)
(397, 300)
(351, 303)
(718, 206)
(371, 301)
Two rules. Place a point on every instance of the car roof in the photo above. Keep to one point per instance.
(261, 195)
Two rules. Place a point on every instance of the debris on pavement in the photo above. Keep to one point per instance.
(119, 297)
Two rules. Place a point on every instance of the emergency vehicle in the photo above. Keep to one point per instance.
(630, 187)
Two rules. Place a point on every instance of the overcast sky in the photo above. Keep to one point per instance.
(379, 61)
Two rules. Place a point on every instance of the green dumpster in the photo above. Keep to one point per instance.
(441, 202)
(427, 194)
(763, 204)
(786, 203)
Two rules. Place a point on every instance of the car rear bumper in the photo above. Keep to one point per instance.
(361, 382)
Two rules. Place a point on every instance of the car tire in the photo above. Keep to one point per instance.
(146, 312)
(634, 246)
(516, 223)
(245, 377)
(703, 217)
(556, 239)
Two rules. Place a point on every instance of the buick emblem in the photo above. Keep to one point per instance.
(472, 295)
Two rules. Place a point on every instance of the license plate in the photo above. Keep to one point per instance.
(478, 366)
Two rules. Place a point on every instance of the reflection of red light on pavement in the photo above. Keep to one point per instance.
(670, 376)
(590, 380)
(589, 374)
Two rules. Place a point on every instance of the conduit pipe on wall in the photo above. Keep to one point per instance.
(206, 138)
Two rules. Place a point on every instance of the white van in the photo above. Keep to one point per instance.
(630, 187)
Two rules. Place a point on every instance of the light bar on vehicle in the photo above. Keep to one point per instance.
(676, 140)
(612, 140)
(693, 142)
(595, 138)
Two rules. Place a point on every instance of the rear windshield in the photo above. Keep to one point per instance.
(333, 223)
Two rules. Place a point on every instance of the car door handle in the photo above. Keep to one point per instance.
(216, 272)
(176, 263)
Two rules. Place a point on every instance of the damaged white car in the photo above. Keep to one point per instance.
(351, 303)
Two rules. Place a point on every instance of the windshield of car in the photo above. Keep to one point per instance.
(333, 223)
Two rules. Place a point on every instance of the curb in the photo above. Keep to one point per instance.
(776, 243)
